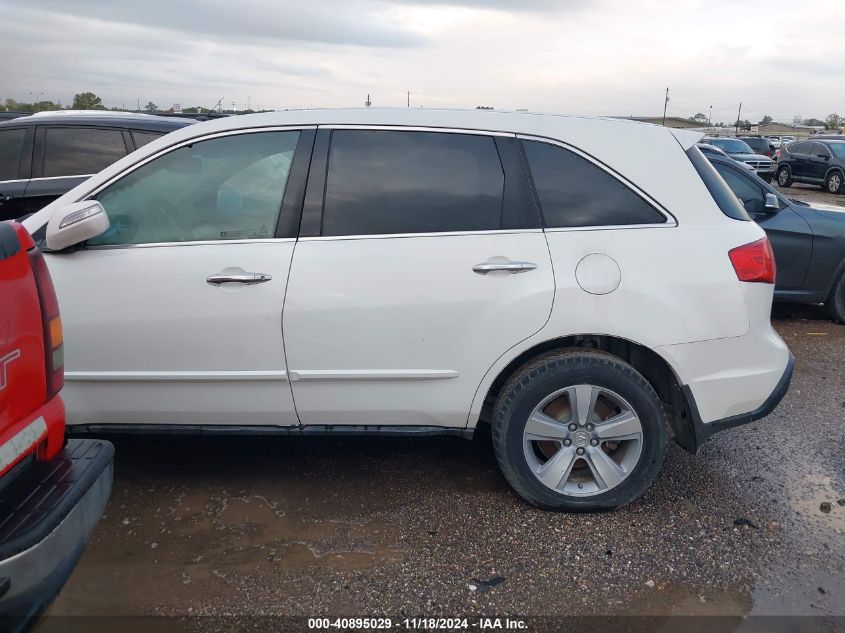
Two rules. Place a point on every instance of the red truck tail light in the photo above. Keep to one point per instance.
(53, 338)
(754, 262)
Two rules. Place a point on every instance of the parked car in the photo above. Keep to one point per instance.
(47, 154)
(813, 162)
(711, 150)
(51, 493)
(399, 272)
(774, 141)
(828, 137)
(739, 150)
(808, 240)
(759, 145)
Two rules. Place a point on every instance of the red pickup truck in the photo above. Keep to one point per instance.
(52, 491)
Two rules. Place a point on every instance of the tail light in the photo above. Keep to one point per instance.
(53, 338)
(754, 262)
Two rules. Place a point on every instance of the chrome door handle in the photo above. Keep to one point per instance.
(512, 267)
(238, 278)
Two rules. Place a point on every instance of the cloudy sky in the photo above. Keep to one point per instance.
(616, 57)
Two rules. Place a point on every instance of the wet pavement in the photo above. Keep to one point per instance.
(753, 524)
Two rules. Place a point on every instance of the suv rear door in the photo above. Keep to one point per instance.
(420, 261)
(819, 161)
(799, 159)
(15, 163)
(66, 155)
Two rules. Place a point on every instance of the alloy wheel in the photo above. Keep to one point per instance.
(834, 183)
(582, 440)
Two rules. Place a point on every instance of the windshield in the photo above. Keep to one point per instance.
(732, 145)
(838, 149)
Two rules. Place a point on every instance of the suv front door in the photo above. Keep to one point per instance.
(420, 261)
(173, 316)
(799, 161)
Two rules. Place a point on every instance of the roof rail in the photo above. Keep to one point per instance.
(90, 113)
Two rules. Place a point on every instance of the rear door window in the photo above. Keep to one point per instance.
(382, 182)
(11, 151)
(574, 192)
(798, 148)
(76, 151)
(817, 149)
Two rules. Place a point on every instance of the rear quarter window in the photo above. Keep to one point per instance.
(573, 192)
(718, 188)
(142, 137)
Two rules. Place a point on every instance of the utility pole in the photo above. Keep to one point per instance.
(710, 118)
(409, 98)
(368, 103)
(665, 103)
(738, 114)
(139, 104)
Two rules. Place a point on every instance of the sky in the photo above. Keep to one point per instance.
(602, 57)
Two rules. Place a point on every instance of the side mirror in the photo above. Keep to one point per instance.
(75, 223)
(772, 203)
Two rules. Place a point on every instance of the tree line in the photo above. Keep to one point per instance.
(90, 101)
(832, 121)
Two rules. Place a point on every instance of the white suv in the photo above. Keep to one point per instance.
(419, 272)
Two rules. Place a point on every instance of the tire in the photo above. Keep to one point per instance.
(834, 182)
(544, 390)
(784, 177)
(835, 303)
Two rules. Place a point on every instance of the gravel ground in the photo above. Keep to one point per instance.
(811, 194)
(753, 524)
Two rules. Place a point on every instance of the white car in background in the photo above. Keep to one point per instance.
(420, 272)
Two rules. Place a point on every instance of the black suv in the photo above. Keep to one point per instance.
(759, 144)
(47, 154)
(813, 162)
(808, 240)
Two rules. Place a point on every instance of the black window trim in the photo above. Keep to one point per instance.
(312, 213)
(291, 205)
(671, 220)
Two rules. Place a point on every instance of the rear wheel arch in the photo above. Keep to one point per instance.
(653, 367)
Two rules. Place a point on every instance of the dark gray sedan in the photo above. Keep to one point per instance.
(808, 240)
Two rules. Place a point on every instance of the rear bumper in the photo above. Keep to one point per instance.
(692, 435)
(46, 515)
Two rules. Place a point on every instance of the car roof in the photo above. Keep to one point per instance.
(554, 126)
(595, 136)
(98, 118)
